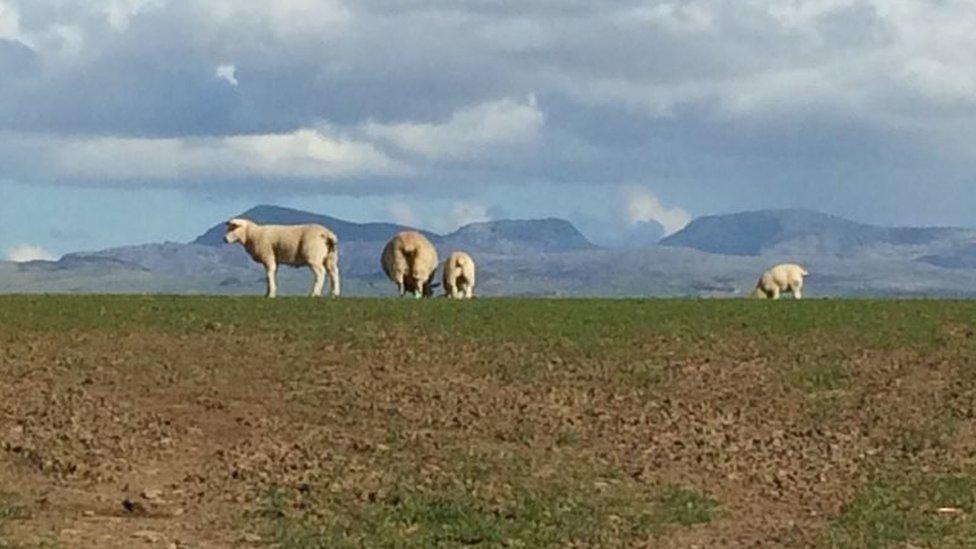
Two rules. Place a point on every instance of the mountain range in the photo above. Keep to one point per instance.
(714, 256)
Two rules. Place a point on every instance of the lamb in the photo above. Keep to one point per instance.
(458, 276)
(296, 245)
(410, 261)
(786, 277)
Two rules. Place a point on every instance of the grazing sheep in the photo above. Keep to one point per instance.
(786, 277)
(296, 245)
(410, 260)
(458, 276)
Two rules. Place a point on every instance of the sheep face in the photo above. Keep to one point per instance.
(236, 231)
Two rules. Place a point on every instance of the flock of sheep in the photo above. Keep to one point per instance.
(408, 259)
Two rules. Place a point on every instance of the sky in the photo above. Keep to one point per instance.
(131, 121)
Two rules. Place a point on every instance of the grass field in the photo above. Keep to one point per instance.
(240, 422)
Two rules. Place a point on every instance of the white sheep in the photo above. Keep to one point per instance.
(296, 245)
(410, 261)
(786, 277)
(458, 276)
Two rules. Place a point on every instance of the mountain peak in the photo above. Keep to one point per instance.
(520, 235)
(347, 231)
(794, 230)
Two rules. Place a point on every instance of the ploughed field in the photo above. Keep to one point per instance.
(243, 422)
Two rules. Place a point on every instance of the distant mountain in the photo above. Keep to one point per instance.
(208, 265)
(513, 237)
(503, 237)
(962, 256)
(276, 215)
(804, 232)
(74, 262)
(172, 258)
(717, 256)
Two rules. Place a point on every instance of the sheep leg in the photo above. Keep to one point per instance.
(775, 292)
(418, 287)
(319, 279)
(398, 280)
(271, 270)
(332, 267)
(468, 291)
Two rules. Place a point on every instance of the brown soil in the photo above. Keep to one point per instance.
(153, 438)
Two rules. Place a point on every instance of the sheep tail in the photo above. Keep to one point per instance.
(409, 252)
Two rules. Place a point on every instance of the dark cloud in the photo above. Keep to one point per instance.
(716, 105)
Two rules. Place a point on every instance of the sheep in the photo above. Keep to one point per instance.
(786, 277)
(410, 261)
(296, 245)
(458, 276)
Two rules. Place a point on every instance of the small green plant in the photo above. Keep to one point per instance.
(928, 435)
(900, 510)
(11, 510)
(646, 375)
(821, 375)
(685, 507)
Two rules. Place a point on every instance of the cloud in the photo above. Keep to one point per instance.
(402, 213)
(28, 252)
(227, 73)
(724, 105)
(10, 28)
(120, 12)
(641, 205)
(304, 155)
(470, 132)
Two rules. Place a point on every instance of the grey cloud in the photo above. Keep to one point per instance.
(726, 105)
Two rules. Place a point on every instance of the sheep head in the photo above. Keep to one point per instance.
(236, 231)
(760, 292)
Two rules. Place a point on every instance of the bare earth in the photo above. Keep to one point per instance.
(203, 422)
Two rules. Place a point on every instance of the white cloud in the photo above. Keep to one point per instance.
(402, 213)
(10, 24)
(640, 204)
(28, 252)
(120, 12)
(305, 154)
(284, 20)
(470, 132)
(228, 73)
(438, 215)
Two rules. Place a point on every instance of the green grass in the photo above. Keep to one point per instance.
(904, 509)
(12, 510)
(537, 516)
(820, 374)
(582, 322)
(685, 507)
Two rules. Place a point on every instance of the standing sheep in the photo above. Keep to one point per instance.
(296, 245)
(786, 277)
(458, 275)
(410, 261)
